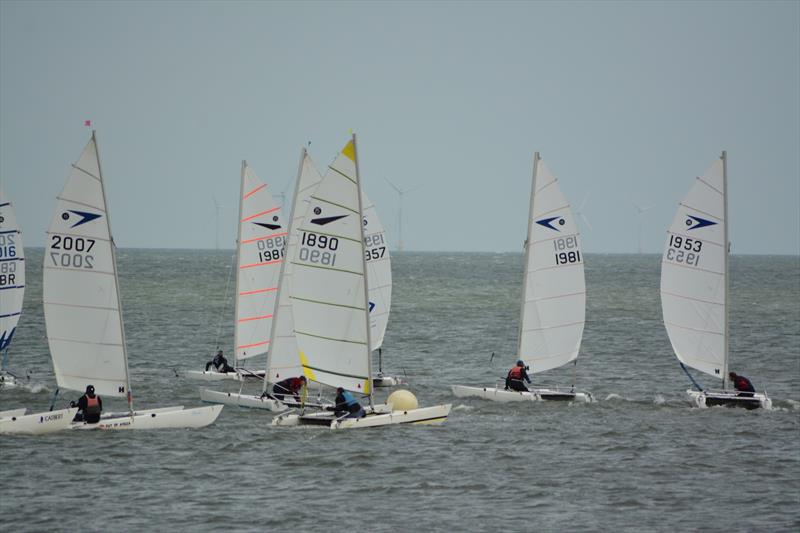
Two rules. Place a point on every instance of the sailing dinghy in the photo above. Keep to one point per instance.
(330, 303)
(260, 244)
(12, 285)
(82, 309)
(695, 289)
(553, 294)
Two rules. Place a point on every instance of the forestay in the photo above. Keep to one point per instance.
(81, 299)
(282, 359)
(328, 288)
(554, 301)
(379, 273)
(262, 236)
(12, 272)
(693, 276)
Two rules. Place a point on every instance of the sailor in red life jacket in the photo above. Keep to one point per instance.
(741, 384)
(89, 407)
(517, 376)
(287, 387)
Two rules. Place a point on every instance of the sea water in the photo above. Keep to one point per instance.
(638, 459)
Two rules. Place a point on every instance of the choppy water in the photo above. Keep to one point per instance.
(640, 459)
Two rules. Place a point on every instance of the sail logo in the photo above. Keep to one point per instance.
(269, 226)
(694, 222)
(548, 222)
(85, 217)
(371, 306)
(322, 221)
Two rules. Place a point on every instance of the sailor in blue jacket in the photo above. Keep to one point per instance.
(346, 406)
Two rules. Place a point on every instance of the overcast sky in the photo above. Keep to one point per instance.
(626, 101)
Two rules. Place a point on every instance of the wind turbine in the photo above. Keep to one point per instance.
(217, 209)
(639, 211)
(579, 211)
(400, 193)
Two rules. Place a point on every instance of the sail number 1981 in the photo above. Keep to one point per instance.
(567, 250)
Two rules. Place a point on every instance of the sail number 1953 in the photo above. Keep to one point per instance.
(684, 250)
(566, 250)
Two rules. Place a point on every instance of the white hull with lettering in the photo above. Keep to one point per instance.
(163, 418)
(501, 395)
(380, 415)
(36, 423)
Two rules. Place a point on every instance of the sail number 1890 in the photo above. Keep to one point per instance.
(319, 249)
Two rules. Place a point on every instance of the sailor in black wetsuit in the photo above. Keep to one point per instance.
(517, 376)
(742, 384)
(90, 406)
(220, 364)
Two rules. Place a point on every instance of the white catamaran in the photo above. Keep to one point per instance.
(12, 290)
(259, 258)
(553, 295)
(82, 309)
(330, 302)
(694, 288)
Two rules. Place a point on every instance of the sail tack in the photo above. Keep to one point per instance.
(12, 272)
(81, 303)
(328, 287)
(554, 300)
(693, 276)
(262, 237)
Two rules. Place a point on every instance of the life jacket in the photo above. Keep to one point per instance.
(515, 373)
(92, 406)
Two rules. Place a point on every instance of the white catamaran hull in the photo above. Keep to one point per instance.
(714, 398)
(242, 400)
(383, 381)
(162, 418)
(501, 395)
(211, 375)
(36, 423)
(380, 415)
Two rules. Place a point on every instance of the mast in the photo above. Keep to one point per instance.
(364, 265)
(238, 268)
(273, 324)
(724, 158)
(527, 255)
(116, 274)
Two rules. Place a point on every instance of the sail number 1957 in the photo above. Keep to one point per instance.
(566, 250)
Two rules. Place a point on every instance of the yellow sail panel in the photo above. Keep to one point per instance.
(307, 372)
(349, 150)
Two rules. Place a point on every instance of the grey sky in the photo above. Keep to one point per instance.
(626, 102)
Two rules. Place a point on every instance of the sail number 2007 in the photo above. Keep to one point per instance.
(566, 250)
(72, 252)
(319, 249)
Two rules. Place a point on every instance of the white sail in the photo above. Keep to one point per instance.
(693, 276)
(379, 273)
(12, 272)
(262, 236)
(328, 288)
(554, 293)
(282, 360)
(81, 299)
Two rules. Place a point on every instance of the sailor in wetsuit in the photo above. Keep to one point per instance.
(90, 406)
(517, 376)
(346, 406)
(288, 387)
(741, 384)
(220, 364)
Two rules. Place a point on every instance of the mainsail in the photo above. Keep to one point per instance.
(694, 275)
(260, 252)
(81, 297)
(328, 288)
(554, 292)
(12, 272)
(379, 273)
